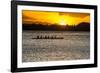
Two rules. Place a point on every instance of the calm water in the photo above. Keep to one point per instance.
(75, 45)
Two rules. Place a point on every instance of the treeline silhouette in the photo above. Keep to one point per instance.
(80, 27)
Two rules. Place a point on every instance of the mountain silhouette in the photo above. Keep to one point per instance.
(83, 26)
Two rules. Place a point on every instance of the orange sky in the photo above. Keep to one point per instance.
(59, 18)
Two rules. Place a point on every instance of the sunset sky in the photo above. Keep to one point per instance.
(50, 18)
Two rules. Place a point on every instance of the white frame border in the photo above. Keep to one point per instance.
(52, 63)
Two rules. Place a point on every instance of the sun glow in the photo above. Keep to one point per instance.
(62, 22)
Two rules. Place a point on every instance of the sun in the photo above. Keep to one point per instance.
(62, 22)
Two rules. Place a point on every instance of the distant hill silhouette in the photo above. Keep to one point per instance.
(83, 26)
(80, 27)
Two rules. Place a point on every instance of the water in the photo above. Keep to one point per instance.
(74, 46)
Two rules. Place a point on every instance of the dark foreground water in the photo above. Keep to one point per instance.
(74, 46)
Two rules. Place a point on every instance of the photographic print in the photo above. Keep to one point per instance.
(53, 36)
